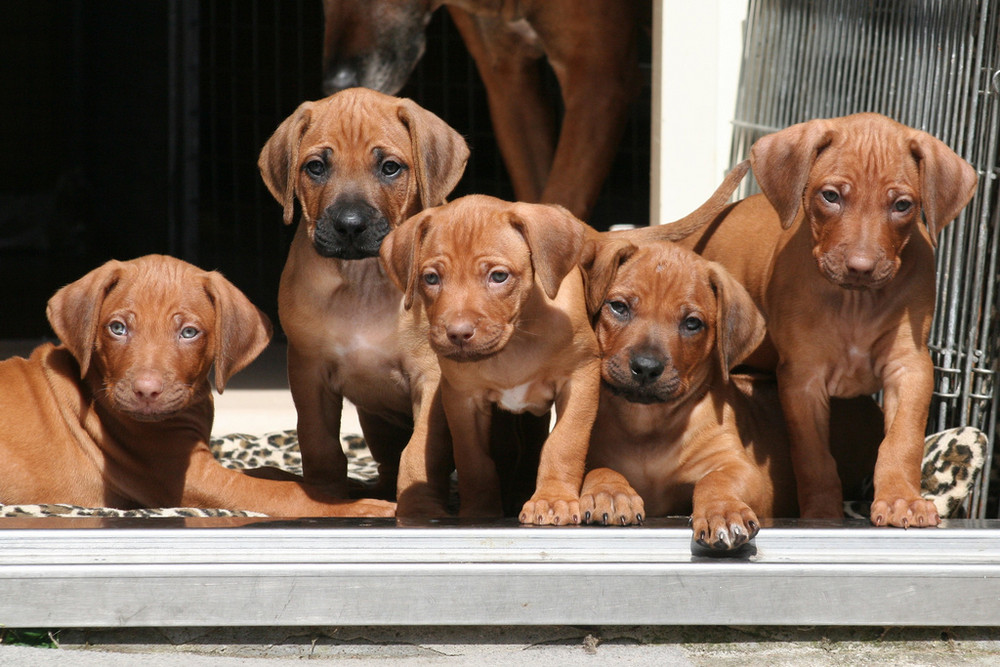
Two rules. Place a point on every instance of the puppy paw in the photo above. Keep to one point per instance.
(724, 525)
(904, 513)
(611, 504)
(551, 510)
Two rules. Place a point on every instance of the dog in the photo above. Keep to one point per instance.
(834, 255)
(502, 295)
(358, 163)
(495, 288)
(592, 46)
(676, 431)
(120, 414)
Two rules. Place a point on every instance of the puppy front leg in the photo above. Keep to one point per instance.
(608, 498)
(908, 385)
(427, 461)
(478, 481)
(324, 463)
(560, 471)
(721, 516)
(806, 405)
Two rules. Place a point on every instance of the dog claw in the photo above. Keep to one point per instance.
(605, 518)
(624, 522)
(638, 519)
(586, 517)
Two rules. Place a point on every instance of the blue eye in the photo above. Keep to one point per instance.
(832, 196)
(902, 205)
(117, 328)
(499, 277)
(431, 278)
(189, 332)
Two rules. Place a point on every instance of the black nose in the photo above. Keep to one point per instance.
(645, 368)
(350, 219)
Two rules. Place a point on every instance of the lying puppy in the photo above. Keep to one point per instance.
(120, 414)
(675, 432)
(358, 163)
(835, 256)
(504, 305)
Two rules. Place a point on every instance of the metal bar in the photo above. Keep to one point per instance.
(337, 572)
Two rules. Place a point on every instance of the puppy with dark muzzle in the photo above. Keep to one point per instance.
(676, 432)
(358, 163)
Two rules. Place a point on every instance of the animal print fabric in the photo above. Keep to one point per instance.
(953, 461)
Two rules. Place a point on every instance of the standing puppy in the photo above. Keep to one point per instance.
(358, 163)
(835, 256)
(505, 312)
(120, 414)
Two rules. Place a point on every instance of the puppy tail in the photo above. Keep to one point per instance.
(694, 221)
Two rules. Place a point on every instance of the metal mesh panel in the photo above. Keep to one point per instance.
(933, 65)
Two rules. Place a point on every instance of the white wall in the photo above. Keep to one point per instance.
(697, 47)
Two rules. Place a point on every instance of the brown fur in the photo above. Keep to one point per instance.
(379, 160)
(847, 287)
(120, 414)
(592, 46)
(503, 301)
(675, 433)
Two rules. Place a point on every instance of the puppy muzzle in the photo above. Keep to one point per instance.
(350, 230)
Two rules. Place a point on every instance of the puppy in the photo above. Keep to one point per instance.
(835, 256)
(502, 295)
(120, 414)
(676, 433)
(358, 163)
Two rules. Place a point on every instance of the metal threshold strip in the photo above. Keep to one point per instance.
(251, 572)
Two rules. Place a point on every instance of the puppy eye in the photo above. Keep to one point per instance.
(431, 278)
(391, 168)
(316, 167)
(189, 332)
(499, 277)
(619, 308)
(831, 196)
(117, 328)
(902, 205)
(692, 324)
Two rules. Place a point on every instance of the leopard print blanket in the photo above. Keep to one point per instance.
(953, 461)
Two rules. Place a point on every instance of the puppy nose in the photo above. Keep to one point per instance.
(860, 262)
(350, 220)
(461, 332)
(645, 368)
(148, 386)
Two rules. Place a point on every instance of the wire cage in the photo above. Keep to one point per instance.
(930, 64)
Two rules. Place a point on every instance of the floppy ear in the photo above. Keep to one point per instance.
(241, 330)
(279, 159)
(600, 261)
(400, 254)
(439, 153)
(75, 310)
(781, 162)
(947, 182)
(555, 238)
(739, 323)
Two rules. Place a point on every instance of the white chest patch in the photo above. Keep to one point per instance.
(515, 399)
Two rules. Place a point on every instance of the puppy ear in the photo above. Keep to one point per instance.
(74, 311)
(242, 331)
(600, 261)
(279, 159)
(555, 238)
(439, 153)
(781, 163)
(400, 254)
(739, 323)
(947, 182)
